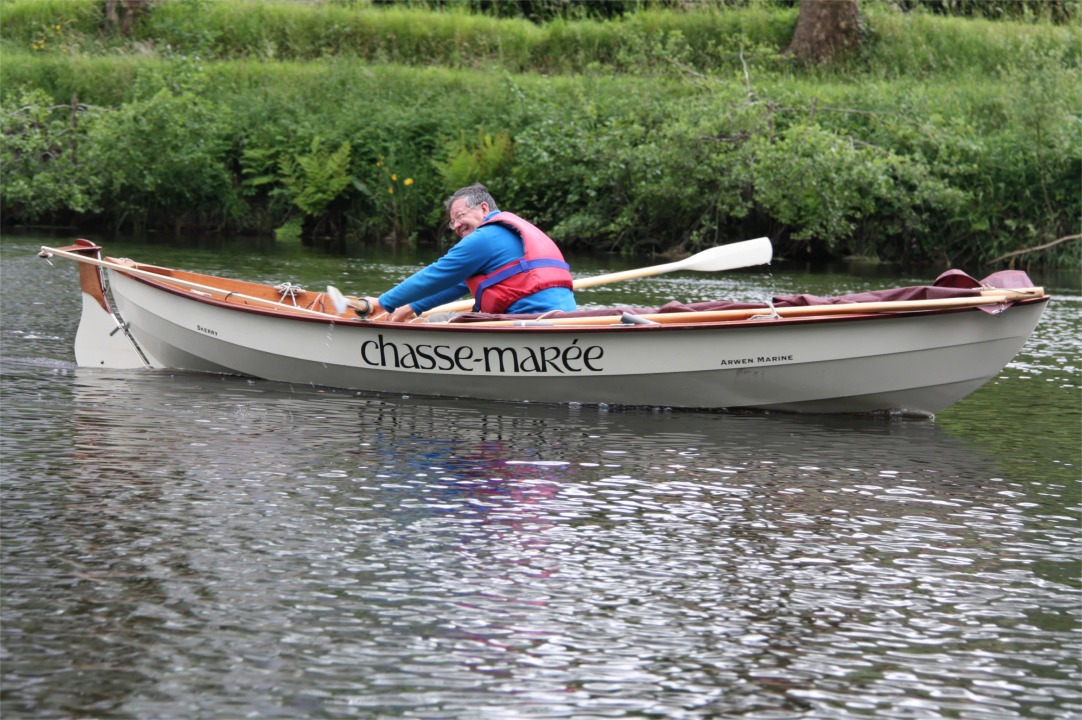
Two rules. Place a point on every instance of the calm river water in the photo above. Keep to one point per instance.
(191, 546)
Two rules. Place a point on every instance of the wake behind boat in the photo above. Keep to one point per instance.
(912, 350)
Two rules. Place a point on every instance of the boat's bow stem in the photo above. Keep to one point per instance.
(97, 343)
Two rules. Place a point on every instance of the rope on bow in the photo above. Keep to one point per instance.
(288, 288)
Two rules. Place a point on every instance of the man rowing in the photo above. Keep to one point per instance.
(508, 264)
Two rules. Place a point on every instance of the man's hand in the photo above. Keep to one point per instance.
(374, 308)
(403, 314)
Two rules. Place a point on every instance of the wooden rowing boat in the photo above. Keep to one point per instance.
(912, 350)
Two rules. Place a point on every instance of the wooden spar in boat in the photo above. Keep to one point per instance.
(201, 287)
(994, 296)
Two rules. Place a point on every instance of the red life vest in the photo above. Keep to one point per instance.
(542, 266)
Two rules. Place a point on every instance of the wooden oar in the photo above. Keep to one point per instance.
(683, 318)
(178, 281)
(724, 257)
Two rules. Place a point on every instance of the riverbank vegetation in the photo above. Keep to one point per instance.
(662, 127)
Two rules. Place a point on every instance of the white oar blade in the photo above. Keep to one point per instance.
(337, 299)
(729, 257)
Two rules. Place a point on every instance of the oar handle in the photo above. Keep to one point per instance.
(360, 306)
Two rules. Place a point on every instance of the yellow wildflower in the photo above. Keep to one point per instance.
(407, 182)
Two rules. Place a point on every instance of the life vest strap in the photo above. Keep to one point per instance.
(521, 266)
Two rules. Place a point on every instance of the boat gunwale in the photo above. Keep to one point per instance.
(306, 314)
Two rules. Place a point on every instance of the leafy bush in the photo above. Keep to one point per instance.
(161, 161)
(41, 169)
(316, 179)
(946, 140)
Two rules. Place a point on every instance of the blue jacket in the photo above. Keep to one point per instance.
(482, 252)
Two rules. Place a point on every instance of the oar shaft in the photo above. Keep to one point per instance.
(179, 281)
(683, 318)
(634, 274)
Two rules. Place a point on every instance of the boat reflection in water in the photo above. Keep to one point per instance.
(487, 559)
(146, 424)
(140, 426)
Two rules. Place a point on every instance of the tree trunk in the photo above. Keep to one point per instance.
(124, 13)
(825, 29)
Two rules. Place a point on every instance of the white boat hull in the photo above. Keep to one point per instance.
(915, 363)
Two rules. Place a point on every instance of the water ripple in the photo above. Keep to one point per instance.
(179, 545)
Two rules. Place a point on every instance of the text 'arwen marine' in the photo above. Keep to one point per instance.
(760, 360)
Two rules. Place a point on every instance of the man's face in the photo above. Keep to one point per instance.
(465, 219)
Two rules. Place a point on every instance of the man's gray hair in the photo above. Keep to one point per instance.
(474, 195)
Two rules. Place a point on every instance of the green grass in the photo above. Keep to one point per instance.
(963, 134)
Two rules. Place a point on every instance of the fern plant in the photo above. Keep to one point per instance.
(316, 179)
